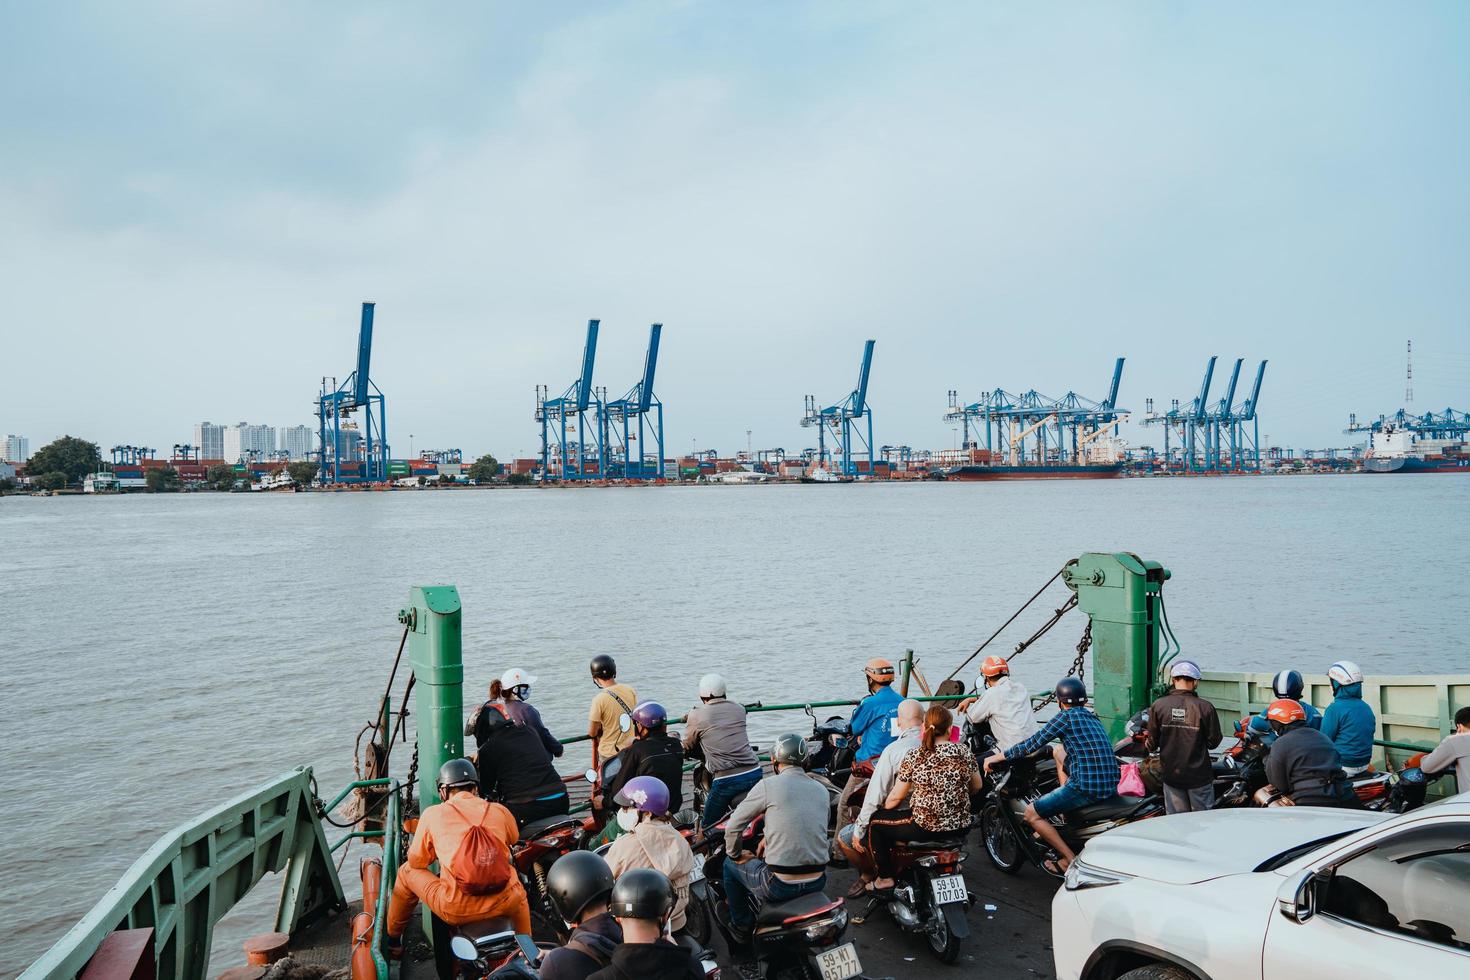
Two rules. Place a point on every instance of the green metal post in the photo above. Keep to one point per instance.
(433, 618)
(905, 671)
(1120, 594)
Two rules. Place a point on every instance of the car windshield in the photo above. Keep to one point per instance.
(1292, 853)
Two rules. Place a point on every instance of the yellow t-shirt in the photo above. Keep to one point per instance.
(606, 709)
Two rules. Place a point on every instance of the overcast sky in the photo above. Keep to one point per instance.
(196, 197)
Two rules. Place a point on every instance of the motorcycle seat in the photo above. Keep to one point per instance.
(800, 907)
(1113, 806)
(538, 827)
(932, 844)
(484, 928)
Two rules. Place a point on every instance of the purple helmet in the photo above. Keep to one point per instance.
(650, 714)
(646, 794)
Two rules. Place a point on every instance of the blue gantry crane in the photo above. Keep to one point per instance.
(350, 453)
(629, 423)
(571, 424)
(851, 442)
(1219, 438)
(1032, 428)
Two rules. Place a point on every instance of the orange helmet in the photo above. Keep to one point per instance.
(994, 667)
(1285, 711)
(879, 670)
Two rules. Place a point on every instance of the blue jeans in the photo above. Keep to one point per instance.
(752, 884)
(722, 791)
(1063, 799)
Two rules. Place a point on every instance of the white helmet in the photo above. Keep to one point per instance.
(515, 677)
(712, 686)
(1345, 672)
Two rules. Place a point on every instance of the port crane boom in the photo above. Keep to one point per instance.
(569, 438)
(854, 443)
(348, 453)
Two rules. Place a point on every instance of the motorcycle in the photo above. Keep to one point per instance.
(541, 843)
(929, 894)
(1008, 838)
(1240, 775)
(500, 954)
(1411, 785)
(830, 749)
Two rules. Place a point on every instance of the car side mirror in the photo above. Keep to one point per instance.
(1297, 898)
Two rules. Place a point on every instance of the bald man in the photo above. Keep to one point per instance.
(885, 774)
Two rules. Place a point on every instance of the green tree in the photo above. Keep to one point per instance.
(164, 479)
(518, 479)
(220, 476)
(484, 469)
(73, 458)
(6, 484)
(303, 471)
(54, 480)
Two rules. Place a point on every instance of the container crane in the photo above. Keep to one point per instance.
(565, 423)
(629, 422)
(852, 444)
(351, 453)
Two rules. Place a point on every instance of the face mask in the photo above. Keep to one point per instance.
(627, 819)
(522, 691)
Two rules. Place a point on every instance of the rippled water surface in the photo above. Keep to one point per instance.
(163, 653)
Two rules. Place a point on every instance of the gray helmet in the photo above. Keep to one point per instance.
(642, 893)
(576, 880)
(789, 750)
(455, 774)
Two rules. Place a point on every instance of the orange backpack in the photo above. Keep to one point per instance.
(481, 865)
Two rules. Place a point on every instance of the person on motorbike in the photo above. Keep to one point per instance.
(649, 840)
(716, 729)
(442, 829)
(1349, 721)
(513, 692)
(1184, 727)
(654, 752)
(1003, 702)
(1287, 684)
(1090, 767)
(792, 857)
(937, 780)
(1303, 763)
(642, 901)
(1453, 751)
(516, 769)
(612, 702)
(872, 726)
(580, 885)
(851, 839)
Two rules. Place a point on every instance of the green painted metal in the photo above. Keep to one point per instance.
(1121, 595)
(433, 619)
(392, 854)
(192, 876)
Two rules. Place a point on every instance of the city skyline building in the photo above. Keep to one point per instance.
(296, 441)
(243, 441)
(17, 449)
(209, 440)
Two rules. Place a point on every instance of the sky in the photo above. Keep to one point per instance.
(196, 197)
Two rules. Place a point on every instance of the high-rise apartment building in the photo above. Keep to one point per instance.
(17, 449)
(209, 440)
(243, 441)
(296, 440)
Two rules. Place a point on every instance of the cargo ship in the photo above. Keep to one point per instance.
(1398, 449)
(1099, 463)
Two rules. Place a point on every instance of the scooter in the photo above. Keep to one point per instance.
(541, 843)
(504, 955)
(1411, 785)
(929, 894)
(1007, 836)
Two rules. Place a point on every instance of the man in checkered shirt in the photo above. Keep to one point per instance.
(1089, 770)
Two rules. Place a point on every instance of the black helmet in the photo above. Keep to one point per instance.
(604, 667)
(789, 750)
(1288, 684)
(576, 880)
(1071, 690)
(642, 893)
(494, 719)
(456, 774)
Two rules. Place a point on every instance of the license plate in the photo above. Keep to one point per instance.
(840, 963)
(696, 875)
(950, 888)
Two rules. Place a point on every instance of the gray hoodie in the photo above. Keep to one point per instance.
(796, 808)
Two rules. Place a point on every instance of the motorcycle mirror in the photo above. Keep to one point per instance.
(463, 949)
(624, 722)
(590, 775)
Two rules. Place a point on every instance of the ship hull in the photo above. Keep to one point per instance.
(1412, 464)
(1097, 471)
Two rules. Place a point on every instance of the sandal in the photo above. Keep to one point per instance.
(858, 890)
(1053, 866)
(871, 888)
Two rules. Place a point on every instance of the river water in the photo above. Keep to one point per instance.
(165, 653)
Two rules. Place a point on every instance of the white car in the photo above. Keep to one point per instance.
(1291, 893)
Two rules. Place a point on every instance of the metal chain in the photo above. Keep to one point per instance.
(1079, 664)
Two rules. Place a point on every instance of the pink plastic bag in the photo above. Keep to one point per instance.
(1130, 782)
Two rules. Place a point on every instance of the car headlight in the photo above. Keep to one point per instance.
(1080, 876)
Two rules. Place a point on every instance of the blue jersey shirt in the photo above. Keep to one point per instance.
(873, 721)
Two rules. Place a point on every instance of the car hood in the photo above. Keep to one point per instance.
(1189, 847)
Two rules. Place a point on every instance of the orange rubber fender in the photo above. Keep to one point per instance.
(372, 881)
(363, 967)
(411, 825)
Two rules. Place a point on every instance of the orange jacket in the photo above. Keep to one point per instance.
(442, 827)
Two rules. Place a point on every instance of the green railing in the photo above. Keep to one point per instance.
(190, 878)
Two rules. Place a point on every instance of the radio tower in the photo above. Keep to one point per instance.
(1409, 378)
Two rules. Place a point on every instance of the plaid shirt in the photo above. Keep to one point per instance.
(1091, 765)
